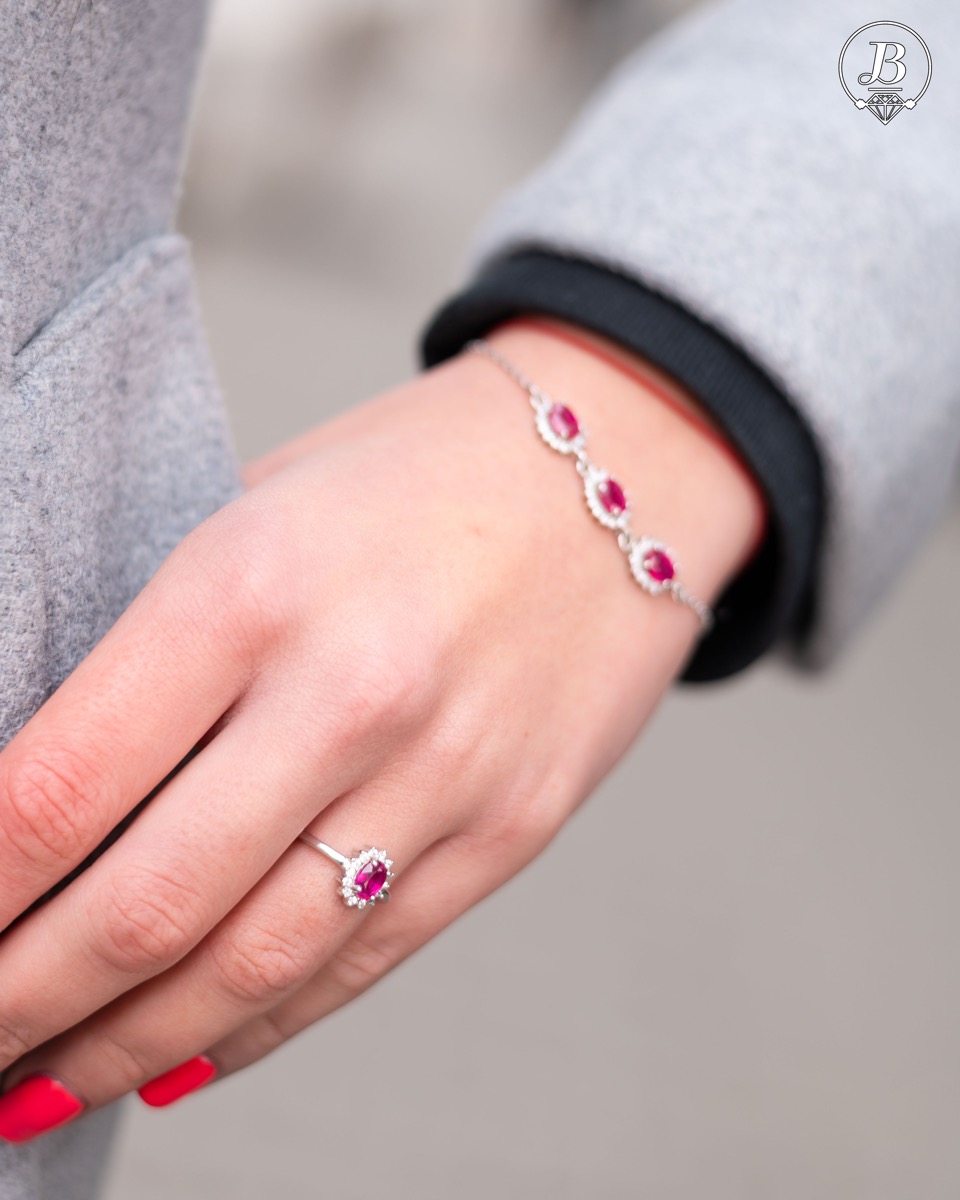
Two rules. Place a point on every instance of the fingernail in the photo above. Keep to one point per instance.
(36, 1105)
(173, 1084)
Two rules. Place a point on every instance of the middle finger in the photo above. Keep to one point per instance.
(191, 855)
(275, 939)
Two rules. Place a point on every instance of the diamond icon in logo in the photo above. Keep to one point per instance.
(885, 106)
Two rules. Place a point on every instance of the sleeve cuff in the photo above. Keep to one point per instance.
(771, 598)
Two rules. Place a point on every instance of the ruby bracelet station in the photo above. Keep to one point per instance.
(652, 563)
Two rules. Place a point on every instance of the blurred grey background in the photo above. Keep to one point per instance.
(767, 1007)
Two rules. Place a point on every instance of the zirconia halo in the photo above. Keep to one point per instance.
(366, 878)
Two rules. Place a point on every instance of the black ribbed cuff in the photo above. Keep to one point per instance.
(772, 596)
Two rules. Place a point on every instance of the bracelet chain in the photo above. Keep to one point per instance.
(652, 564)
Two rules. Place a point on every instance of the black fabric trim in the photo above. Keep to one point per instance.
(772, 596)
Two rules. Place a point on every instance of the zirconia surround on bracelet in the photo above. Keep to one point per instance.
(652, 563)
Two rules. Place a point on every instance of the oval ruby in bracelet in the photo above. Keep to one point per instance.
(658, 566)
(563, 423)
(612, 496)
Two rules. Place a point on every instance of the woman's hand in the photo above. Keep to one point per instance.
(409, 634)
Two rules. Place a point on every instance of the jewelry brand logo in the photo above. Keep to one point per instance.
(885, 67)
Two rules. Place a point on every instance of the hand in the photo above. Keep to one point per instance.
(409, 634)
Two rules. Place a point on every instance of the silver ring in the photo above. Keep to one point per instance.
(366, 876)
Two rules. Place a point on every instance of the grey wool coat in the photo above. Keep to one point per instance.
(720, 164)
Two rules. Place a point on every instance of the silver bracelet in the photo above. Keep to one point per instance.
(653, 565)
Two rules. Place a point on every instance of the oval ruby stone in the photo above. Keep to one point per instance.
(370, 879)
(563, 423)
(658, 566)
(612, 497)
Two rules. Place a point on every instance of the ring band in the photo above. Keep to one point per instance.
(366, 876)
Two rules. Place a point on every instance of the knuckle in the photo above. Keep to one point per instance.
(383, 688)
(243, 578)
(146, 923)
(360, 962)
(52, 806)
(511, 828)
(126, 1066)
(460, 743)
(262, 966)
(267, 1033)
(15, 1041)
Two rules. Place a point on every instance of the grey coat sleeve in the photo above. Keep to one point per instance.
(723, 166)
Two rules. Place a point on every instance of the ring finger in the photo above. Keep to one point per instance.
(187, 860)
(450, 877)
(275, 939)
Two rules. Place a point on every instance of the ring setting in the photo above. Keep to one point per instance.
(366, 876)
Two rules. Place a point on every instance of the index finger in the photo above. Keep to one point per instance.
(129, 713)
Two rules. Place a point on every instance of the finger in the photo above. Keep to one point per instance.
(268, 946)
(186, 861)
(445, 882)
(127, 715)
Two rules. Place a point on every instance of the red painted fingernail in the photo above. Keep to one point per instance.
(36, 1105)
(173, 1084)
